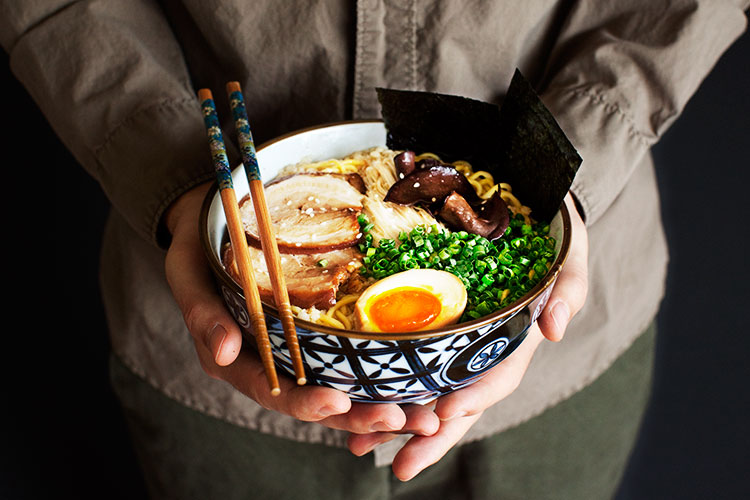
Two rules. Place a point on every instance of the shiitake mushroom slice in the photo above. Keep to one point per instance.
(449, 195)
(405, 163)
(431, 185)
(488, 219)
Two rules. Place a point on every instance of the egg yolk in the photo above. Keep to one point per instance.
(404, 309)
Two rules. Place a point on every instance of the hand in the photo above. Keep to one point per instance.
(218, 343)
(459, 410)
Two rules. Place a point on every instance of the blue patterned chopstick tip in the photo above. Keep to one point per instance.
(216, 144)
(244, 135)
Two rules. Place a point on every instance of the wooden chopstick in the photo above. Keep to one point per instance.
(237, 237)
(267, 236)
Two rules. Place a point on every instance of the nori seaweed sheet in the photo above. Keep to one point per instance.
(518, 142)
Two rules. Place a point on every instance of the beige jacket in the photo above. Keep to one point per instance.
(117, 82)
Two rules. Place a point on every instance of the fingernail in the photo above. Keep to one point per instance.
(368, 449)
(216, 338)
(458, 414)
(381, 427)
(561, 315)
(327, 411)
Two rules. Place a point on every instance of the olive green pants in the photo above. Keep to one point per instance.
(576, 450)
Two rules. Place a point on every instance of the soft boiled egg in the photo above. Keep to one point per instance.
(409, 301)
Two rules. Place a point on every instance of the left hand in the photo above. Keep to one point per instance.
(459, 410)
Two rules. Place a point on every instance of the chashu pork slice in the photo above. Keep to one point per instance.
(310, 213)
(312, 280)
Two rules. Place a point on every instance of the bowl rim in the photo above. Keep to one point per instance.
(465, 327)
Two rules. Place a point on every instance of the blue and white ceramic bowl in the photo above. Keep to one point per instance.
(376, 367)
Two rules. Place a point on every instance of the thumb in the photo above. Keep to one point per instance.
(571, 287)
(216, 335)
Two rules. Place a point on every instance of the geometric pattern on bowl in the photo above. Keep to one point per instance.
(415, 370)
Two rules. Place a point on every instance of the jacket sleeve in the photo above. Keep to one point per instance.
(112, 81)
(621, 73)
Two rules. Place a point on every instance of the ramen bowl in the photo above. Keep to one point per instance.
(368, 366)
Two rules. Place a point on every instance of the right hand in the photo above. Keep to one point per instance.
(218, 343)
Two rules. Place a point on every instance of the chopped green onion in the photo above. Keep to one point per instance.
(495, 273)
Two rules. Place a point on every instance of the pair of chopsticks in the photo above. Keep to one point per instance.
(237, 233)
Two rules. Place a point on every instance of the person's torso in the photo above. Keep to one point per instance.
(304, 62)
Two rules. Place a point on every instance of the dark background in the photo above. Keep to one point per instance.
(66, 437)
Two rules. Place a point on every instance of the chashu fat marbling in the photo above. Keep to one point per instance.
(310, 213)
(312, 280)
